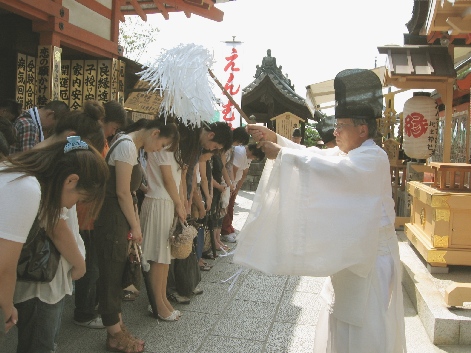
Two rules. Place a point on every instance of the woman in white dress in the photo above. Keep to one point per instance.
(163, 200)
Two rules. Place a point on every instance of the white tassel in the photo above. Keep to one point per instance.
(182, 75)
(234, 278)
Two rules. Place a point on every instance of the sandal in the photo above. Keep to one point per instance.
(174, 316)
(209, 256)
(129, 296)
(124, 343)
(205, 267)
(206, 264)
(126, 331)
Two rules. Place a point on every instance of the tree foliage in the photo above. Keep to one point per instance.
(135, 36)
(311, 135)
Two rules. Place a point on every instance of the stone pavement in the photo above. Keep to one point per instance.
(260, 314)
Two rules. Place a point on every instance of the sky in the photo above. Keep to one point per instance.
(312, 40)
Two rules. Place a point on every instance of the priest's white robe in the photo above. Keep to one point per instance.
(327, 213)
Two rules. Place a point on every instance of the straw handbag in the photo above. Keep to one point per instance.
(181, 239)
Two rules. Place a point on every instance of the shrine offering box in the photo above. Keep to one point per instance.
(440, 224)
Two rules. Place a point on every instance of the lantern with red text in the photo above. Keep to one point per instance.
(420, 126)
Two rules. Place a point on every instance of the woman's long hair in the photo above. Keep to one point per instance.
(167, 128)
(51, 167)
(85, 123)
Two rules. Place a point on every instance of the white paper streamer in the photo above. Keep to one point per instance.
(182, 74)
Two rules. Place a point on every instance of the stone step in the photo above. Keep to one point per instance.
(444, 325)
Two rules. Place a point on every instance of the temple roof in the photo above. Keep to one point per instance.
(272, 93)
(203, 8)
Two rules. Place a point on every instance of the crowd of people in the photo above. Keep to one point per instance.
(78, 174)
(326, 212)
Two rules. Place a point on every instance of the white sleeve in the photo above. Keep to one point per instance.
(240, 157)
(18, 208)
(126, 152)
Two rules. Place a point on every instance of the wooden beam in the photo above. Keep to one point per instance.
(139, 10)
(97, 7)
(432, 37)
(49, 38)
(50, 7)
(31, 10)
(116, 17)
(460, 25)
(200, 4)
(211, 13)
(161, 7)
(78, 38)
(196, 2)
(447, 97)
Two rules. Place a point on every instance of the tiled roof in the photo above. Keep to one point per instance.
(419, 60)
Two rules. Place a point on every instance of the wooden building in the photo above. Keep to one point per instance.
(437, 55)
(272, 94)
(68, 49)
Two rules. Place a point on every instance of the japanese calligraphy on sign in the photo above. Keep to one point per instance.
(77, 75)
(415, 124)
(56, 73)
(231, 70)
(20, 89)
(47, 77)
(103, 84)
(137, 116)
(30, 93)
(64, 81)
(43, 75)
(89, 82)
(144, 102)
(114, 79)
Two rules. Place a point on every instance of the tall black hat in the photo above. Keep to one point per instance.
(358, 94)
(325, 128)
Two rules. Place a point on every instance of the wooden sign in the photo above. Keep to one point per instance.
(30, 93)
(89, 83)
(103, 80)
(47, 74)
(286, 123)
(135, 116)
(64, 82)
(20, 88)
(144, 102)
(114, 79)
(56, 73)
(76, 84)
(122, 74)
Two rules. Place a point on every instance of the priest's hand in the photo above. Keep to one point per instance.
(270, 149)
(261, 133)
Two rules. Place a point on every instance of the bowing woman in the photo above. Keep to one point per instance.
(41, 183)
(119, 217)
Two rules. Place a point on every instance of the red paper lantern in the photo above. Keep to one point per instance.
(420, 126)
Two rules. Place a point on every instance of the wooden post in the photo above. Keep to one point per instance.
(234, 103)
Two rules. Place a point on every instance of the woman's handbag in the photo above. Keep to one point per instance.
(39, 258)
(207, 240)
(132, 269)
(187, 274)
(181, 239)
